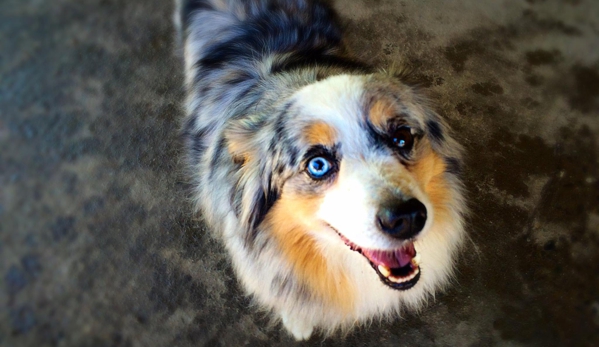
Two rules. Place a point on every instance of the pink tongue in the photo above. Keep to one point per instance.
(391, 259)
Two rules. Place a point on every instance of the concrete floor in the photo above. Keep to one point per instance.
(98, 246)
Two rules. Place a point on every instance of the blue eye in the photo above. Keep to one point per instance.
(318, 167)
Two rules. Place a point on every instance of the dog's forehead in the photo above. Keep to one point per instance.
(335, 100)
(331, 111)
(348, 108)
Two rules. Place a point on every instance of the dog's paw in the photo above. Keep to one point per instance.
(300, 329)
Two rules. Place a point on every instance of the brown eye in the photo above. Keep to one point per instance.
(403, 139)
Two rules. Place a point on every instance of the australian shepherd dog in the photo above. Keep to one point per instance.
(333, 186)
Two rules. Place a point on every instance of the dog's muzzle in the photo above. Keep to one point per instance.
(402, 220)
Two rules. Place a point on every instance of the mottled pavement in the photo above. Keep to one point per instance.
(98, 246)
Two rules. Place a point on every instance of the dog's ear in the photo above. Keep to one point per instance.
(256, 190)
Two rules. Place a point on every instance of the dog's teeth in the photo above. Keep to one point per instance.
(416, 260)
(385, 271)
(397, 279)
(403, 279)
(411, 277)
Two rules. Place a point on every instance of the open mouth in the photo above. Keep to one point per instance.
(398, 269)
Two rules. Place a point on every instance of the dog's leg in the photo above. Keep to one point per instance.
(299, 328)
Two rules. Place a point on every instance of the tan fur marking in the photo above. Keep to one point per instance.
(320, 133)
(288, 220)
(380, 112)
(430, 173)
(237, 153)
(238, 146)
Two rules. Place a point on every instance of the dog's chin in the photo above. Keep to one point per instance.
(398, 269)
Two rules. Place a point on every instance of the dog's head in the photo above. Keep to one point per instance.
(354, 167)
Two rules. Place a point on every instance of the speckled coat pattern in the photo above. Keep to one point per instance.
(265, 79)
(97, 244)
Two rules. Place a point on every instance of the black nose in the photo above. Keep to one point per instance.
(402, 220)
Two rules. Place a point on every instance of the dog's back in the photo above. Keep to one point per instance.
(236, 43)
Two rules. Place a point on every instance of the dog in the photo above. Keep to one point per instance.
(334, 186)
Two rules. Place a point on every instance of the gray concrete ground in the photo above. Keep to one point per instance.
(98, 246)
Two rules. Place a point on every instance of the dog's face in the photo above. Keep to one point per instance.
(365, 166)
